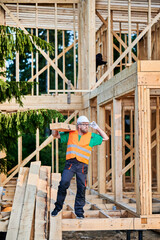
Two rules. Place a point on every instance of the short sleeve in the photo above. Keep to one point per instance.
(64, 137)
(96, 139)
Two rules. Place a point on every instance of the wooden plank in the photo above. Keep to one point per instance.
(37, 143)
(148, 66)
(55, 222)
(13, 227)
(40, 231)
(42, 1)
(151, 78)
(101, 153)
(158, 147)
(117, 118)
(29, 202)
(63, 127)
(149, 32)
(129, 31)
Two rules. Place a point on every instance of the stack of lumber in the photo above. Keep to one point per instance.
(31, 206)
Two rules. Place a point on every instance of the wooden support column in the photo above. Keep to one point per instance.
(64, 64)
(37, 144)
(109, 37)
(19, 149)
(37, 54)
(52, 155)
(2, 22)
(91, 62)
(2, 16)
(117, 126)
(101, 153)
(74, 49)
(143, 151)
(56, 49)
(57, 156)
(17, 53)
(94, 154)
(3, 176)
(79, 84)
(157, 147)
(112, 148)
(129, 31)
(48, 68)
(149, 31)
(32, 69)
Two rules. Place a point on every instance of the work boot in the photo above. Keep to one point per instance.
(55, 212)
(79, 215)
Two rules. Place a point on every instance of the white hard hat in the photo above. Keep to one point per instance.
(82, 119)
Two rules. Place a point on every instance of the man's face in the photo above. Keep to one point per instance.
(83, 127)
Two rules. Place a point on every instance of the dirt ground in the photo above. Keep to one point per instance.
(109, 235)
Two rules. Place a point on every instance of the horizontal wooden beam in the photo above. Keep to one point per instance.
(58, 102)
(100, 224)
(42, 1)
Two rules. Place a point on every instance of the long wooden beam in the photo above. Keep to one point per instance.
(155, 19)
(38, 48)
(42, 1)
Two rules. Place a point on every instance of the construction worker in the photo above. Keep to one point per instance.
(79, 146)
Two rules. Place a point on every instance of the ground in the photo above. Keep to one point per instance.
(109, 235)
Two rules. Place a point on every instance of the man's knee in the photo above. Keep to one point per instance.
(64, 184)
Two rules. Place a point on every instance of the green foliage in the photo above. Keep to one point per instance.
(24, 122)
(8, 90)
(13, 39)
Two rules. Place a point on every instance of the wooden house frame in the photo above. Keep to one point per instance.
(131, 94)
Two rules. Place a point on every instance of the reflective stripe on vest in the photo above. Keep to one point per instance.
(79, 149)
(79, 154)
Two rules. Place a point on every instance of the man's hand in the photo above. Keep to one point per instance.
(94, 125)
(55, 134)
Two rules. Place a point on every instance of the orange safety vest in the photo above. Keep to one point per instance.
(79, 149)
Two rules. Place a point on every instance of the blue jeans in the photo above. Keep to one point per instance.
(80, 169)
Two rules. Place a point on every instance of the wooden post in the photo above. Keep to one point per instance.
(2, 16)
(117, 126)
(37, 54)
(48, 68)
(129, 31)
(157, 148)
(101, 153)
(94, 155)
(32, 70)
(109, 37)
(37, 144)
(55, 222)
(79, 83)
(91, 43)
(143, 151)
(57, 158)
(19, 149)
(64, 64)
(56, 49)
(2, 22)
(52, 155)
(149, 31)
(112, 148)
(3, 176)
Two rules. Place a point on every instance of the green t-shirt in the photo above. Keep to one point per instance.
(96, 139)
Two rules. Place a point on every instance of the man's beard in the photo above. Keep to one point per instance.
(84, 131)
